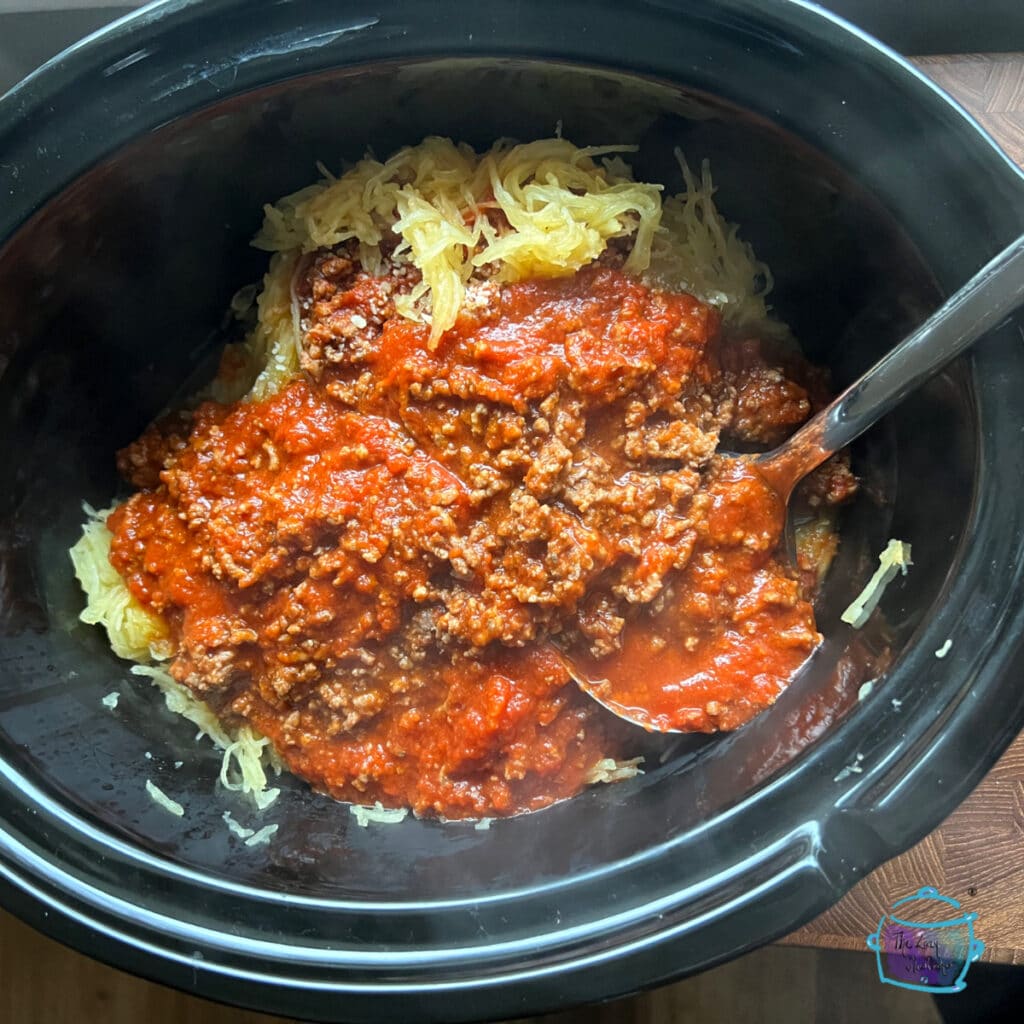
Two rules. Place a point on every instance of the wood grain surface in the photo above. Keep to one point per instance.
(991, 88)
(976, 856)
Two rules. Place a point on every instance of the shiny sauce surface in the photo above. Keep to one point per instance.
(385, 566)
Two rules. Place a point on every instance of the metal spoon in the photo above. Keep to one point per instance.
(990, 296)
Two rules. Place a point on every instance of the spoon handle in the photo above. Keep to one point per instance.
(991, 295)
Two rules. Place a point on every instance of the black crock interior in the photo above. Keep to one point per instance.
(112, 293)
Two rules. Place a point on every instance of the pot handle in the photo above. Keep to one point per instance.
(975, 950)
(874, 941)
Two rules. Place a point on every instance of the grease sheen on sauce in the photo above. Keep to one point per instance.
(378, 566)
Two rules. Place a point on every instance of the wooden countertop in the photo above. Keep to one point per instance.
(976, 856)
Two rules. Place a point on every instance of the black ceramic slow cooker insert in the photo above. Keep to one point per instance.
(133, 169)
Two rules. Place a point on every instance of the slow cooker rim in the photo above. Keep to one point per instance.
(155, 16)
(31, 99)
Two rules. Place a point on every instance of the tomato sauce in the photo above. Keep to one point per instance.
(733, 634)
(386, 566)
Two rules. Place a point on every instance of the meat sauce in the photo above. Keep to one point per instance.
(386, 566)
(731, 635)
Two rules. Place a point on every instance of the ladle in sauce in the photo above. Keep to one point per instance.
(656, 691)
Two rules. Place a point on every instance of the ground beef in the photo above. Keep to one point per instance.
(142, 462)
(832, 483)
(343, 308)
(372, 564)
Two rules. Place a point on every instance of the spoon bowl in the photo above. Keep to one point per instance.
(681, 698)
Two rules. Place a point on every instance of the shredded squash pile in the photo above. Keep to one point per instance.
(138, 635)
(543, 209)
(698, 251)
(135, 633)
